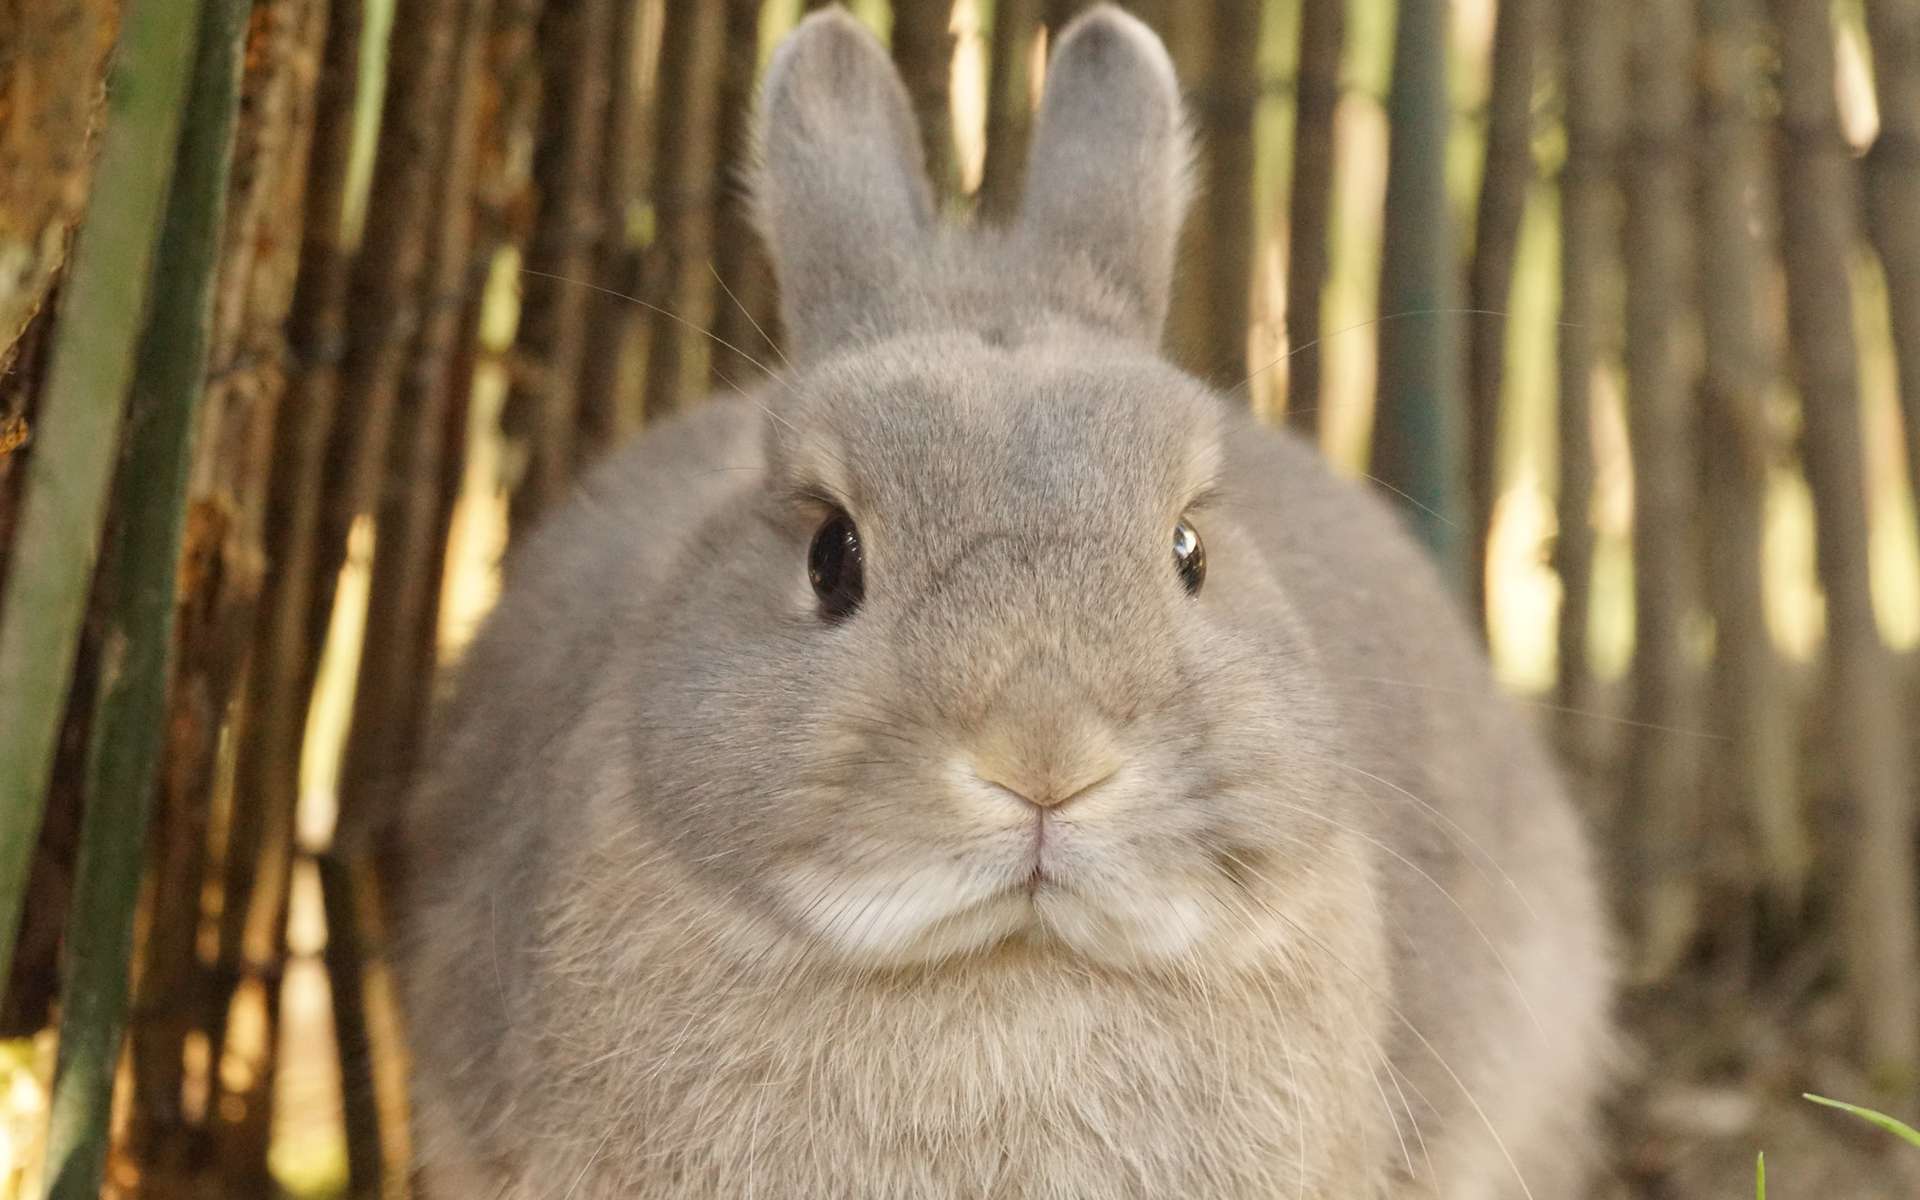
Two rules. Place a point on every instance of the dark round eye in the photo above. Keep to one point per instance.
(1189, 557)
(834, 568)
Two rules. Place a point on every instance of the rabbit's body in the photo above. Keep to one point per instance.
(719, 897)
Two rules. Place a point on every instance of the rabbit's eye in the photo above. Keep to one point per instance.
(1189, 556)
(834, 567)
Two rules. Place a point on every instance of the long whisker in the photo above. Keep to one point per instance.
(1410, 500)
(1417, 869)
(655, 308)
(1419, 1136)
(1548, 707)
(1387, 1104)
(1382, 319)
(1456, 833)
(1426, 1043)
(749, 316)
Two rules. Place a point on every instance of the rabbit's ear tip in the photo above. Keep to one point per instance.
(1110, 37)
(832, 37)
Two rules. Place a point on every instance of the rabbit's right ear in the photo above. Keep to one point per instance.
(1108, 176)
(842, 191)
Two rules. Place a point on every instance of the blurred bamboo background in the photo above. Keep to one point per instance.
(306, 305)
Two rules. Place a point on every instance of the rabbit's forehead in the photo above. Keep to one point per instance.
(993, 430)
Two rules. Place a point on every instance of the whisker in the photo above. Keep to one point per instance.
(749, 315)
(1427, 1043)
(1446, 894)
(650, 307)
(1455, 832)
(1382, 319)
(1548, 706)
(1410, 500)
(1387, 1104)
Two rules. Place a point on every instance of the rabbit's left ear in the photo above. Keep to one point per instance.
(842, 190)
(1108, 176)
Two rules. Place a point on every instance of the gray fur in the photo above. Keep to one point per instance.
(714, 898)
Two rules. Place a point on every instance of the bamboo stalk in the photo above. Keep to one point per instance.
(390, 698)
(1416, 439)
(258, 854)
(383, 308)
(138, 598)
(743, 318)
(1877, 942)
(1504, 182)
(677, 276)
(378, 315)
(1310, 207)
(1893, 192)
(1593, 67)
(59, 50)
(1754, 782)
(608, 390)
(1009, 106)
(1660, 812)
(65, 487)
(544, 404)
(922, 45)
(222, 565)
(1226, 235)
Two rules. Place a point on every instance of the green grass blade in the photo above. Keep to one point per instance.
(1899, 1129)
(1760, 1176)
(137, 589)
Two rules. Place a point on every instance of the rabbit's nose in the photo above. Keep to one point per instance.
(1047, 789)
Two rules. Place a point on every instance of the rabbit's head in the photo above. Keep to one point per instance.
(986, 657)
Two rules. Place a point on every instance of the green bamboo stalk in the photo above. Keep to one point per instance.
(1417, 424)
(137, 596)
(65, 489)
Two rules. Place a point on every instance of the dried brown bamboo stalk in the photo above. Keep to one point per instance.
(923, 45)
(556, 288)
(1876, 935)
(1310, 208)
(396, 670)
(1593, 76)
(1659, 834)
(678, 278)
(1058, 13)
(1504, 183)
(222, 561)
(1893, 193)
(21, 382)
(258, 852)
(1009, 106)
(743, 318)
(608, 392)
(383, 310)
(1753, 783)
(1224, 101)
(51, 75)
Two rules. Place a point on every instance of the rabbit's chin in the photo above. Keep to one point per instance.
(939, 913)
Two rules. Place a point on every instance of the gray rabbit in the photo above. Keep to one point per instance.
(985, 763)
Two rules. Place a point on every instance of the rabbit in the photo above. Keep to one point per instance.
(982, 761)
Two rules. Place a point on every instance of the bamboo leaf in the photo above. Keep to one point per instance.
(138, 598)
